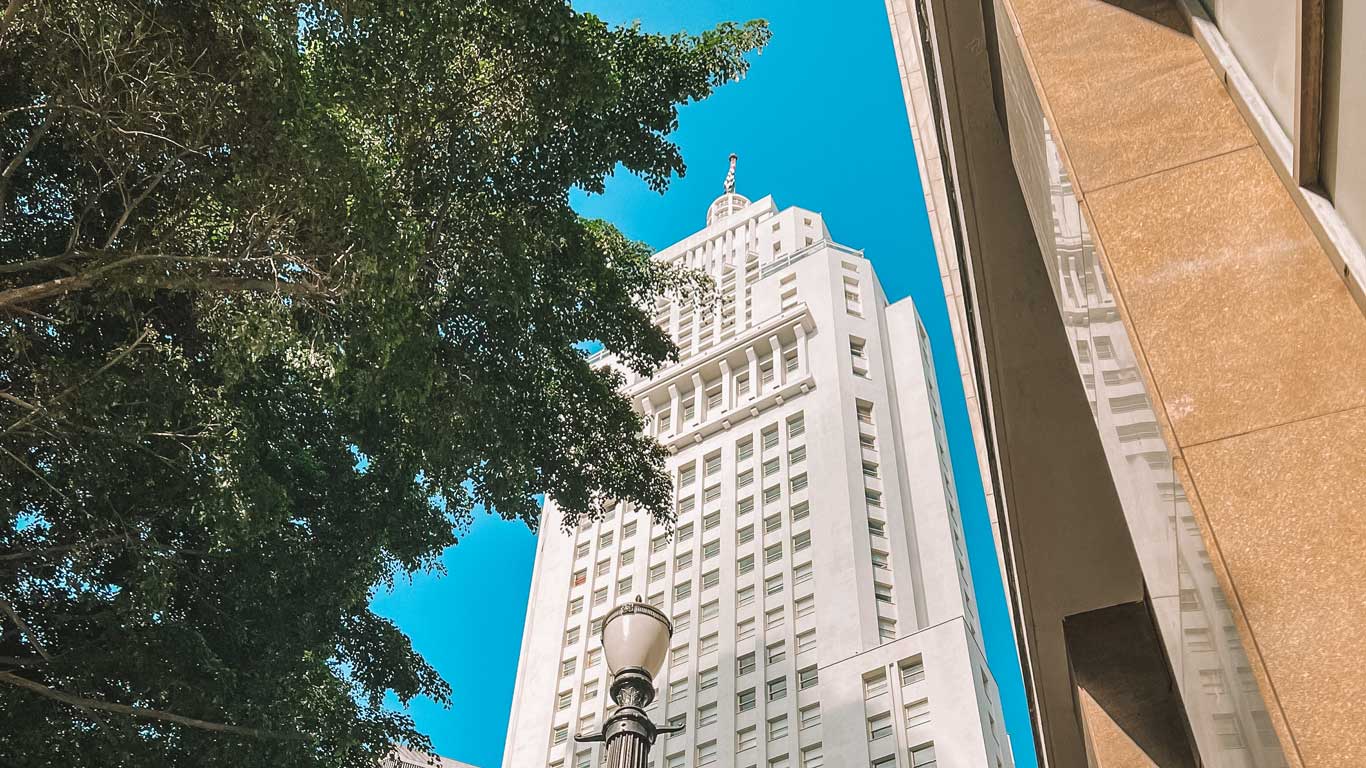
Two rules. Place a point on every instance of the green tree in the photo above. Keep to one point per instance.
(287, 289)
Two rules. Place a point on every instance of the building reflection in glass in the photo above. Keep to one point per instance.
(1225, 709)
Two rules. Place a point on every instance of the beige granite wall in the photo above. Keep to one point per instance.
(1247, 338)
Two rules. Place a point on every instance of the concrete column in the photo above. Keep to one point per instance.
(699, 398)
(727, 387)
(779, 370)
(674, 411)
(754, 382)
(802, 361)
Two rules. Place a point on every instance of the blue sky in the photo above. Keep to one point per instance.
(820, 123)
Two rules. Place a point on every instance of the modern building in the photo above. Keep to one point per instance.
(1148, 217)
(817, 576)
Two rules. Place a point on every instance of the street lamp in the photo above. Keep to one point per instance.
(635, 638)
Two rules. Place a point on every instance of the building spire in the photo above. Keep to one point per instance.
(730, 176)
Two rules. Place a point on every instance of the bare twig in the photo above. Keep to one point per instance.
(142, 712)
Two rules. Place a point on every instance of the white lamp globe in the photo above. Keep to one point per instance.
(636, 635)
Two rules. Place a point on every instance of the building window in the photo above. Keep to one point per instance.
(745, 564)
(773, 585)
(682, 622)
(627, 557)
(873, 498)
(744, 630)
(594, 658)
(707, 644)
(807, 678)
(711, 495)
(684, 532)
(859, 353)
(590, 691)
(773, 619)
(682, 591)
(886, 629)
(796, 455)
(710, 610)
(658, 543)
(800, 510)
(711, 579)
(879, 726)
(796, 426)
(777, 727)
(711, 521)
(880, 561)
(687, 505)
(883, 593)
(571, 636)
(770, 437)
(745, 535)
(706, 753)
(798, 483)
(580, 577)
(746, 738)
(744, 448)
(745, 597)
(773, 522)
(624, 586)
(678, 656)
(805, 606)
(774, 553)
(771, 467)
(582, 549)
(806, 641)
(564, 700)
(744, 700)
(744, 480)
(772, 494)
(745, 664)
(923, 756)
(711, 549)
(560, 735)
(813, 756)
(917, 713)
(810, 716)
(875, 685)
(656, 572)
(603, 567)
(912, 672)
(628, 530)
(706, 715)
(683, 561)
(567, 667)
(745, 506)
(801, 541)
(775, 652)
(777, 689)
(678, 690)
(877, 528)
(600, 596)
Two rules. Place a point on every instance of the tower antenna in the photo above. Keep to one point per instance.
(730, 176)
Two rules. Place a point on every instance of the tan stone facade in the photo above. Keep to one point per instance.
(1120, 210)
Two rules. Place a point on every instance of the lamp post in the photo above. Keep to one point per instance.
(635, 638)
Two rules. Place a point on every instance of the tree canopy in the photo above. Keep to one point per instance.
(287, 290)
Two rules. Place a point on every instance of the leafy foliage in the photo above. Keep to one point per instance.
(286, 290)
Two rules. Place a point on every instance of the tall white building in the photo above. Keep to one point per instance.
(817, 575)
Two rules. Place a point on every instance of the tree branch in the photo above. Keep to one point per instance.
(33, 138)
(142, 712)
(23, 627)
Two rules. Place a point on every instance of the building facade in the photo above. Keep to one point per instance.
(1148, 221)
(817, 576)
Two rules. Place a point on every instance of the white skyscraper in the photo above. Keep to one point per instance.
(817, 576)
